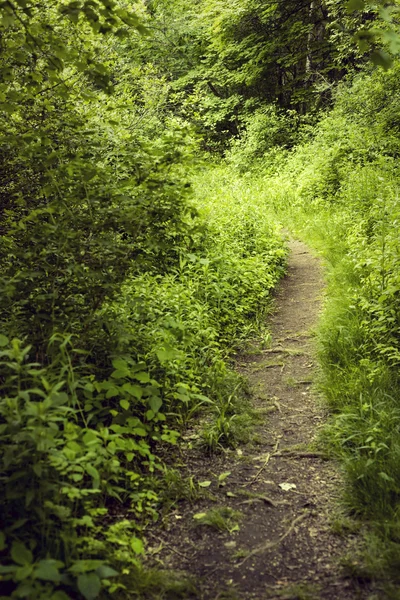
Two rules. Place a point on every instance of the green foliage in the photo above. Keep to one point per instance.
(58, 470)
(221, 519)
(227, 60)
(122, 293)
(341, 190)
(120, 303)
(73, 442)
(268, 132)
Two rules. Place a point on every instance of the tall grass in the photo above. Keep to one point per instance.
(340, 192)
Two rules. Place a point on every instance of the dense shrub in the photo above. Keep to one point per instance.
(120, 301)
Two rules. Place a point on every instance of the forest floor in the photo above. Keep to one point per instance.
(270, 530)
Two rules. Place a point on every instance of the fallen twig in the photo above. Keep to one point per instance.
(294, 454)
(278, 441)
(257, 475)
(263, 498)
(169, 547)
(270, 545)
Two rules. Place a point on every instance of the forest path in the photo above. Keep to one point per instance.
(284, 488)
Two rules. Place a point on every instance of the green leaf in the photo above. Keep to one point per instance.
(137, 545)
(17, 524)
(93, 472)
(120, 374)
(155, 403)
(143, 377)
(223, 476)
(124, 404)
(3, 340)
(167, 354)
(133, 390)
(59, 595)
(150, 415)
(85, 566)
(104, 572)
(120, 364)
(47, 570)
(6, 570)
(382, 59)
(90, 438)
(89, 585)
(205, 484)
(199, 516)
(353, 5)
(139, 431)
(112, 392)
(23, 572)
(385, 476)
(20, 554)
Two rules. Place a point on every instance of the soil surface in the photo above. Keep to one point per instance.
(281, 544)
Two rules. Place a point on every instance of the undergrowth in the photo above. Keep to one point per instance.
(340, 192)
(81, 442)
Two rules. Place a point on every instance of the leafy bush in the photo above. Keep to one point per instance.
(266, 130)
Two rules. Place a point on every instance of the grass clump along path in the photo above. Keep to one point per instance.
(146, 173)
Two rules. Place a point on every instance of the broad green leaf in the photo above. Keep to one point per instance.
(155, 403)
(47, 570)
(93, 472)
(382, 59)
(353, 5)
(113, 392)
(120, 364)
(89, 585)
(90, 438)
(385, 476)
(27, 590)
(167, 354)
(205, 484)
(137, 545)
(133, 390)
(20, 554)
(139, 431)
(150, 414)
(85, 566)
(142, 376)
(223, 476)
(104, 572)
(124, 404)
(23, 572)
(3, 340)
(59, 595)
(120, 374)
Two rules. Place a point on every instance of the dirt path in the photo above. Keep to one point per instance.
(283, 487)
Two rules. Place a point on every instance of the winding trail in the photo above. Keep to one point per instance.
(283, 486)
